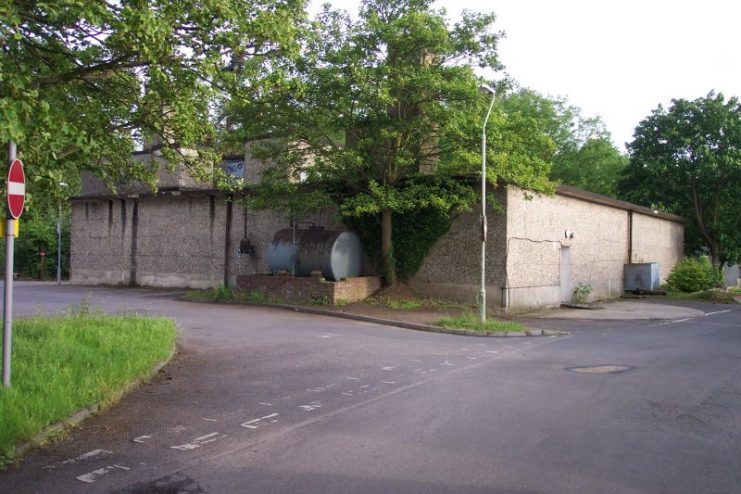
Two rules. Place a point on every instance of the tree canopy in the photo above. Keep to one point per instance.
(387, 109)
(687, 160)
(83, 84)
(583, 153)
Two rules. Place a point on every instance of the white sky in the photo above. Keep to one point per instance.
(616, 59)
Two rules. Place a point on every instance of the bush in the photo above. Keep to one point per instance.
(693, 275)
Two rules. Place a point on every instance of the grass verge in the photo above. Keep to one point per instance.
(471, 321)
(712, 296)
(63, 364)
(228, 295)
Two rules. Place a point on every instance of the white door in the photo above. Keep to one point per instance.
(565, 274)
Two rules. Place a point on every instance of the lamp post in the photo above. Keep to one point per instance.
(59, 238)
(485, 89)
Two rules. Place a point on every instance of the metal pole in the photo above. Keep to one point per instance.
(482, 290)
(8, 286)
(59, 245)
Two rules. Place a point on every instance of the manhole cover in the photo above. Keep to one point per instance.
(601, 369)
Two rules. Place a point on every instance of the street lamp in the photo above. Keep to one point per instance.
(59, 238)
(485, 89)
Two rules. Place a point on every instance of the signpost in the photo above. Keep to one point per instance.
(16, 192)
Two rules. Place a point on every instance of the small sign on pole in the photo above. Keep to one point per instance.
(16, 192)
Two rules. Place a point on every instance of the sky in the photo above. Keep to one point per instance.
(615, 59)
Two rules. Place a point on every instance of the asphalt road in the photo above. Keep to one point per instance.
(263, 400)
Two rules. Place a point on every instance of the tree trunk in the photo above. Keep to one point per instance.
(387, 248)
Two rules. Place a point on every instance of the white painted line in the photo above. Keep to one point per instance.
(197, 442)
(388, 368)
(85, 456)
(447, 364)
(388, 382)
(492, 351)
(141, 439)
(254, 423)
(472, 358)
(313, 406)
(354, 378)
(209, 420)
(266, 404)
(717, 312)
(91, 477)
(347, 394)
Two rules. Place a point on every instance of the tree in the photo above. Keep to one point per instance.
(596, 165)
(82, 84)
(386, 109)
(687, 160)
(583, 154)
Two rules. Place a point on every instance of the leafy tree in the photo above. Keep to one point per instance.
(687, 160)
(583, 154)
(386, 110)
(596, 166)
(82, 83)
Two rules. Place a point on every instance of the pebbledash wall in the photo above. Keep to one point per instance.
(540, 248)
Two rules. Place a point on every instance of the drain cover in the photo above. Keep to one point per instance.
(601, 369)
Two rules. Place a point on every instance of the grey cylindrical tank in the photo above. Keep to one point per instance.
(336, 254)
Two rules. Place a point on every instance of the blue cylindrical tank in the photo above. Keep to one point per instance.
(336, 254)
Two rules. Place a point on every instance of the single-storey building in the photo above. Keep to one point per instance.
(538, 248)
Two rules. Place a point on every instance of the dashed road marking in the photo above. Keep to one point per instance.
(141, 439)
(199, 441)
(312, 406)
(255, 423)
(209, 420)
(85, 456)
(388, 368)
(91, 477)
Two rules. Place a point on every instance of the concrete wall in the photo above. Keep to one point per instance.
(452, 269)
(172, 240)
(540, 228)
(537, 231)
(657, 240)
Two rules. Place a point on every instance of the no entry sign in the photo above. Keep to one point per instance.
(16, 189)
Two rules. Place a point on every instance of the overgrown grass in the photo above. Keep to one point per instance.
(63, 364)
(471, 321)
(714, 296)
(226, 294)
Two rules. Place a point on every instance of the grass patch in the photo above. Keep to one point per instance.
(471, 321)
(713, 296)
(63, 364)
(227, 295)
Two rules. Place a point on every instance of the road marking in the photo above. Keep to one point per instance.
(85, 456)
(717, 312)
(209, 420)
(141, 439)
(388, 382)
(354, 378)
(313, 406)
(91, 477)
(199, 441)
(447, 363)
(348, 394)
(266, 404)
(389, 368)
(254, 423)
(472, 358)
(492, 351)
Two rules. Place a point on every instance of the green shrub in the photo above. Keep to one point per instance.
(693, 274)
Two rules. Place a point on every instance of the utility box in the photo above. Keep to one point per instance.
(644, 277)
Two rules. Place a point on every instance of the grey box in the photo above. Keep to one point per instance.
(644, 276)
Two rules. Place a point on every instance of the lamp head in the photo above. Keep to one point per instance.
(485, 88)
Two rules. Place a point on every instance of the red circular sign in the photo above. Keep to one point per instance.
(16, 189)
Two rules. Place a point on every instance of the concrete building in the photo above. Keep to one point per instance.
(539, 248)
